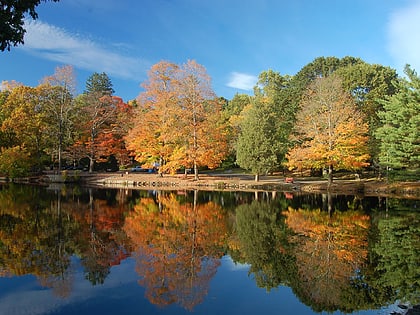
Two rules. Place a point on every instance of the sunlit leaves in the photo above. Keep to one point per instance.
(331, 131)
(178, 121)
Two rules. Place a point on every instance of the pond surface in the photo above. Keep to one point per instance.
(74, 250)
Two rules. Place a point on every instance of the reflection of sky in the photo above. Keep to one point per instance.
(232, 291)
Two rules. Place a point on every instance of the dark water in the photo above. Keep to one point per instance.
(73, 250)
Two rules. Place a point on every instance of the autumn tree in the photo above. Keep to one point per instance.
(24, 116)
(15, 161)
(97, 111)
(112, 141)
(202, 138)
(7, 137)
(59, 107)
(12, 22)
(180, 117)
(368, 84)
(330, 130)
(153, 134)
(400, 133)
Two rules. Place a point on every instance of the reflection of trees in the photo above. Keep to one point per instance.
(105, 242)
(330, 250)
(178, 247)
(396, 256)
(41, 230)
(35, 237)
(262, 241)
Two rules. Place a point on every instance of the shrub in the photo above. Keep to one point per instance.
(14, 162)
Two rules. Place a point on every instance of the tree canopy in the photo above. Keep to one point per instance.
(265, 126)
(12, 15)
(330, 130)
(399, 134)
(178, 122)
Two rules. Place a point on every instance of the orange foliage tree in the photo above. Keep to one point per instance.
(153, 136)
(177, 247)
(203, 136)
(102, 128)
(330, 130)
(178, 120)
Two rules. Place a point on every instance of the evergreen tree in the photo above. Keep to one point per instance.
(400, 133)
(99, 83)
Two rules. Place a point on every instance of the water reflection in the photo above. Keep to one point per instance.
(337, 253)
(179, 243)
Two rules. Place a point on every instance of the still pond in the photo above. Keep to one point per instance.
(77, 250)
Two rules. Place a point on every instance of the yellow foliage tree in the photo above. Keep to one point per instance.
(330, 131)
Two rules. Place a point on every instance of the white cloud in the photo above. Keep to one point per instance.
(403, 36)
(234, 266)
(242, 81)
(54, 43)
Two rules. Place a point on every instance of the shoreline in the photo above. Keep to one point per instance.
(243, 182)
(232, 182)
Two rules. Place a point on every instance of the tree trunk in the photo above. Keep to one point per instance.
(91, 164)
(330, 175)
(330, 203)
(195, 171)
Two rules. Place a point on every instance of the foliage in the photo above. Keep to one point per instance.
(178, 120)
(14, 162)
(258, 147)
(99, 83)
(60, 111)
(400, 133)
(368, 84)
(265, 126)
(12, 13)
(100, 129)
(25, 117)
(330, 130)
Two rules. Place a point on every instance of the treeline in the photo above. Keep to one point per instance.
(333, 114)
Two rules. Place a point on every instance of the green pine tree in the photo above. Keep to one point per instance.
(400, 132)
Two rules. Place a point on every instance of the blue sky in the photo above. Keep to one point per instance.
(234, 40)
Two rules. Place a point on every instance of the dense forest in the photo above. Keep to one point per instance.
(334, 114)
